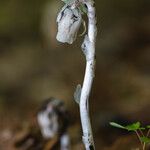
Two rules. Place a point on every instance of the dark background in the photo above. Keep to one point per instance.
(34, 66)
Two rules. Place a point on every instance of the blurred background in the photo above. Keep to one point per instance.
(34, 67)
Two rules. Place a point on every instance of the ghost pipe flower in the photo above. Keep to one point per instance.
(69, 21)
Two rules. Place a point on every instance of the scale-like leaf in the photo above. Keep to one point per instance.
(77, 93)
(117, 125)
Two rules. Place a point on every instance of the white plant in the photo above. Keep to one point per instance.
(69, 21)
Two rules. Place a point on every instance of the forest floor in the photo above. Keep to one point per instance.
(13, 127)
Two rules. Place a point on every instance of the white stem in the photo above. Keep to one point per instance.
(89, 51)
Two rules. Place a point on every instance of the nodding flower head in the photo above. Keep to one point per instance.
(69, 21)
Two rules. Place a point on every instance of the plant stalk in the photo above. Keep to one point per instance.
(138, 135)
(88, 47)
(148, 133)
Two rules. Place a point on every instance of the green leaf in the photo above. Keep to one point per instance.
(142, 128)
(148, 126)
(117, 125)
(83, 9)
(68, 1)
(145, 139)
(133, 127)
(65, 1)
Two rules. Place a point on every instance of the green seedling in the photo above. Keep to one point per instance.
(136, 127)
